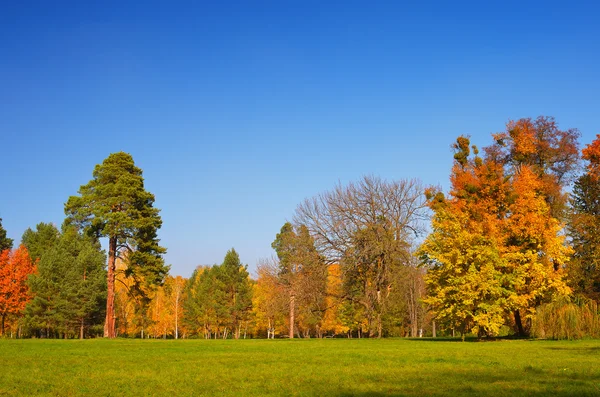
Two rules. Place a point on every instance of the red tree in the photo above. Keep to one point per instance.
(15, 267)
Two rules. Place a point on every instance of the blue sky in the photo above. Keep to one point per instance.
(237, 111)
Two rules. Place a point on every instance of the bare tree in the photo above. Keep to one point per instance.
(367, 227)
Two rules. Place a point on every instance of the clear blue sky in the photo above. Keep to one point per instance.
(237, 111)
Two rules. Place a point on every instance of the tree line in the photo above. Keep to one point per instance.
(506, 251)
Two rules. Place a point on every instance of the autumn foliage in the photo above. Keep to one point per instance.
(496, 251)
(15, 268)
(509, 251)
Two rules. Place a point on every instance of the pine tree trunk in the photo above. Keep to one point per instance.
(292, 305)
(81, 329)
(109, 325)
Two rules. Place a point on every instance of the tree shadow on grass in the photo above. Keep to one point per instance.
(576, 349)
(473, 393)
(469, 339)
(540, 383)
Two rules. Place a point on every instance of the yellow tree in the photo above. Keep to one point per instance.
(496, 247)
(269, 299)
(465, 278)
(161, 316)
(174, 287)
(132, 301)
(332, 321)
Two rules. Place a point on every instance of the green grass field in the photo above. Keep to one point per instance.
(331, 367)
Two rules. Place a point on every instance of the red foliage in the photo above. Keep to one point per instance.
(591, 153)
(15, 267)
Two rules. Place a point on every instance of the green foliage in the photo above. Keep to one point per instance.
(584, 230)
(237, 290)
(44, 237)
(303, 273)
(566, 319)
(375, 256)
(115, 204)
(199, 305)
(218, 299)
(69, 287)
(5, 242)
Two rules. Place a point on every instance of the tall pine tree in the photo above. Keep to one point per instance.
(115, 205)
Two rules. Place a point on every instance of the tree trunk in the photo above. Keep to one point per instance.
(292, 305)
(519, 323)
(81, 329)
(433, 328)
(109, 325)
(2, 327)
(176, 314)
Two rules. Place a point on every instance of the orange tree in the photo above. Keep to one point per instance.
(15, 268)
(495, 248)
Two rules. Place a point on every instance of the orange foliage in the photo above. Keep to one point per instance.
(551, 153)
(15, 268)
(269, 301)
(332, 320)
(496, 245)
(591, 153)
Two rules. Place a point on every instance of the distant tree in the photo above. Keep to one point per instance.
(69, 287)
(174, 287)
(367, 227)
(201, 307)
(376, 254)
(114, 204)
(5, 242)
(406, 313)
(584, 226)
(237, 291)
(217, 300)
(44, 237)
(303, 274)
(333, 322)
(15, 268)
(270, 299)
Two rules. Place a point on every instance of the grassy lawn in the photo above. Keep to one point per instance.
(332, 367)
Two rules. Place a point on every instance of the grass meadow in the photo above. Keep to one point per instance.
(330, 367)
